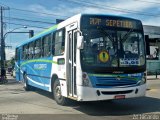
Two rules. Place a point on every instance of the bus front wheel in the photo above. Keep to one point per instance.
(61, 100)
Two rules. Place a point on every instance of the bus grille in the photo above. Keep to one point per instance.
(113, 81)
(116, 92)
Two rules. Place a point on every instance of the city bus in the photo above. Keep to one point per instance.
(87, 57)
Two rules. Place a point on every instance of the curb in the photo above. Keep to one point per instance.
(153, 79)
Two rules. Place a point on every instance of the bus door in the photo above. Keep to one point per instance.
(71, 77)
(17, 65)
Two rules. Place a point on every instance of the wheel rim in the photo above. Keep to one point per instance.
(58, 92)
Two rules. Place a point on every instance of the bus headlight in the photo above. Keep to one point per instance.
(85, 80)
(142, 60)
(144, 79)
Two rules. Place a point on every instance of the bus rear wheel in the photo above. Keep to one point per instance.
(61, 100)
(26, 86)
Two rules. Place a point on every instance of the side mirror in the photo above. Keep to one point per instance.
(80, 42)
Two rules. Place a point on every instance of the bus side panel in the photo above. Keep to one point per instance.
(38, 72)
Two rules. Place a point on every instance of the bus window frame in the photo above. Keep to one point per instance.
(32, 51)
(62, 46)
(46, 52)
(38, 55)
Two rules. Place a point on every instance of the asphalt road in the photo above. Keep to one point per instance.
(18, 104)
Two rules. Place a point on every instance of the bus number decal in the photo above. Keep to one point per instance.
(125, 61)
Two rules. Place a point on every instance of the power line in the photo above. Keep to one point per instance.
(22, 19)
(100, 6)
(28, 15)
(31, 11)
(147, 1)
(26, 25)
(37, 12)
(17, 9)
(115, 8)
(3, 5)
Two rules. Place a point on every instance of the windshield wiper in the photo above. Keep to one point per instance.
(108, 35)
(127, 35)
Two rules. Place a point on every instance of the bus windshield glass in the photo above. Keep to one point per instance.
(112, 48)
(112, 43)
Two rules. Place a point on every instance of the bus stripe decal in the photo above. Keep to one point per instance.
(49, 29)
(39, 76)
(48, 61)
(46, 85)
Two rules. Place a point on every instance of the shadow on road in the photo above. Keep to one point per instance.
(107, 108)
(122, 107)
(43, 92)
(115, 107)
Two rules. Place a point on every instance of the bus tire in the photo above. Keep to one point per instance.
(61, 100)
(26, 86)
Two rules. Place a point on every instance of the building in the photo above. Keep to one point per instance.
(152, 37)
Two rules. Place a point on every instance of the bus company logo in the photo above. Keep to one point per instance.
(40, 66)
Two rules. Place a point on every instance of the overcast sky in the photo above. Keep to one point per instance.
(41, 14)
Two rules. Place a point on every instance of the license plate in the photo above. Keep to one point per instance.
(119, 97)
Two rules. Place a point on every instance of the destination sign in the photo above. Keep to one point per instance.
(110, 21)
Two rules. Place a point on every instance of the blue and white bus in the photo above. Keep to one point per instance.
(86, 58)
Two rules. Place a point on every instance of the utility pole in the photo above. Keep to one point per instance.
(2, 48)
(3, 71)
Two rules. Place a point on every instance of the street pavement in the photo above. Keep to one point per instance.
(21, 105)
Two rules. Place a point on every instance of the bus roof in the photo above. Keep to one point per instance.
(110, 15)
(54, 28)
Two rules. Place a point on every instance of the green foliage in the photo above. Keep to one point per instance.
(10, 63)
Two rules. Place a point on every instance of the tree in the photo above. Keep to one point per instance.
(11, 62)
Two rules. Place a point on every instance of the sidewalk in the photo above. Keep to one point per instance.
(153, 77)
(10, 80)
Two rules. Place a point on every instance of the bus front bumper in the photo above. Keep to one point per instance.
(95, 94)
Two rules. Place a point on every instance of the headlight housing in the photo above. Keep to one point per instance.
(144, 79)
(85, 80)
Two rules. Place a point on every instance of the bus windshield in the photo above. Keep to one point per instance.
(112, 48)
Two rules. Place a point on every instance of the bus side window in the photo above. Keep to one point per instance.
(31, 50)
(42, 47)
(59, 42)
(38, 48)
(46, 43)
(49, 45)
(25, 52)
(53, 44)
